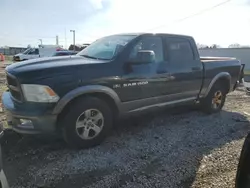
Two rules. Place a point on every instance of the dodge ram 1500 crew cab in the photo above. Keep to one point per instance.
(115, 76)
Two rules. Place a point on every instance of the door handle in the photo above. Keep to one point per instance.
(196, 68)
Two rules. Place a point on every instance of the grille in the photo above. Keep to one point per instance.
(14, 87)
(11, 81)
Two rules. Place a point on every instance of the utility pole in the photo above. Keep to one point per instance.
(65, 38)
(41, 41)
(74, 38)
(57, 40)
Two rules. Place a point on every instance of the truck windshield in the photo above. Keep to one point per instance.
(106, 48)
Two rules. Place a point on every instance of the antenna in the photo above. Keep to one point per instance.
(65, 35)
(57, 40)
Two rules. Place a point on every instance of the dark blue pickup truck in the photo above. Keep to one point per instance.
(118, 75)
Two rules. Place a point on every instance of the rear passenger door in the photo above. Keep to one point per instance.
(185, 69)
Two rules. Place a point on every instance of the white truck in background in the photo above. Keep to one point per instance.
(41, 51)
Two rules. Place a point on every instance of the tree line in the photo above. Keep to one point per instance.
(235, 45)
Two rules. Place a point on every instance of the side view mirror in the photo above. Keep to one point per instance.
(144, 57)
(243, 171)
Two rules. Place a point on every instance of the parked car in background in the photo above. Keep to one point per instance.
(41, 51)
(3, 179)
(116, 76)
(246, 83)
(78, 47)
(64, 53)
(243, 170)
(242, 74)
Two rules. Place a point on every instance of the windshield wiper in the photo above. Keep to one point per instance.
(93, 57)
(89, 57)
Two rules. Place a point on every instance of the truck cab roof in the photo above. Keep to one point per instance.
(161, 34)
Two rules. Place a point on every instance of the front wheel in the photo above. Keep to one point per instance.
(215, 99)
(87, 123)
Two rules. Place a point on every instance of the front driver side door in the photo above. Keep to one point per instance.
(143, 81)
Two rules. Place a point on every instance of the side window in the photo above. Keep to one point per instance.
(149, 43)
(179, 50)
(34, 52)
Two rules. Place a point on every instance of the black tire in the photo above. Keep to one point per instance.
(243, 171)
(207, 103)
(77, 108)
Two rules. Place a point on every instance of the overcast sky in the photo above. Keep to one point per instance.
(23, 22)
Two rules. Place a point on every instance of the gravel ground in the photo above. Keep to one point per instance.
(184, 148)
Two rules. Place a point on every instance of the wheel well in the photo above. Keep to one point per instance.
(102, 96)
(225, 82)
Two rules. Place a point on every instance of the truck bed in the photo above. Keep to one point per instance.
(216, 65)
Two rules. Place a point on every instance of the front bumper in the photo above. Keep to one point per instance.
(27, 121)
(16, 59)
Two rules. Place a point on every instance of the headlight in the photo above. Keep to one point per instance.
(39, 93)
(16, 58)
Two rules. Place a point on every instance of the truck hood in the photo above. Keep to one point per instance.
(51, 63)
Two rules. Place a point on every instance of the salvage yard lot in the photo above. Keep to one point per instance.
(185, 148)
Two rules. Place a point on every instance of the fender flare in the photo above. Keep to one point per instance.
(216, 78)
(85, 90)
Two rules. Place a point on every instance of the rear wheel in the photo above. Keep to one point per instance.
(215, 99)
(87, 123)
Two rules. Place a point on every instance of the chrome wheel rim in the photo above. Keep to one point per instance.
(217, 99)
(89, 124)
